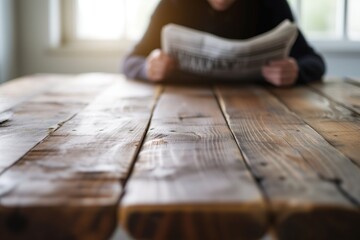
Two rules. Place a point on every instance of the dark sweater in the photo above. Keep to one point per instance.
(244, 19)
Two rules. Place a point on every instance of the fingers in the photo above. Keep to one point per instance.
(282, 72)
(284, 79)
(278, 76)
(279, 73)
(159, 65)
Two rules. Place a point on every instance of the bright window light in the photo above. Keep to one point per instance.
(322, 18)
(112, 19)
(354, 20)
(126, 20)
(293, 5)
(137, 17)
(99, 19)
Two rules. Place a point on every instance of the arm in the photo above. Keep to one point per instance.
(304, 64)
(311, 65)
(134, 67)
(135, 63)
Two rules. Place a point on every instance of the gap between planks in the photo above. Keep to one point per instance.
(258, 180)
(12, 92)
(344, 93)
(345, 115)
(188, 156)
(136, 154)
(353, 81)
(330, 119)
(43, 113)
(282, 199)
(57, 177)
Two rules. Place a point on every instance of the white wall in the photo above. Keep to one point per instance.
(35, 56)
(8, 66)
(346, 64)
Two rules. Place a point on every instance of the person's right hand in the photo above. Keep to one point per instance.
(159, 65)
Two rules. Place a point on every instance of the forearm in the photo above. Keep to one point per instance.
(134, 67)
(311, 68)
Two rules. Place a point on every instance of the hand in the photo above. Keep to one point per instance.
(282, 72)
(159, 65)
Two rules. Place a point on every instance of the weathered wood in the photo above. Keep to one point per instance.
(19, 90)
(337, 124)
(5, 116)
(190, 180)
(34, 119)
(341, 92)
(322, 222)
(300, 172)
(75, 173)
(353, 80)
(57, 223)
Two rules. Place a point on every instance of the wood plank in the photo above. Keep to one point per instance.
(33, 120)
(337, 124)
(190, 180)
(19, 90)
(75, 173)
(353, 80)
(297, 168)
(20, 226)
(5, 116)
(341, 92)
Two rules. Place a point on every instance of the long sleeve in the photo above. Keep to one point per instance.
(311, 65)
(270, 14)
(133, 65)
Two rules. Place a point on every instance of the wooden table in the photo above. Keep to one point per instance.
(81, 155)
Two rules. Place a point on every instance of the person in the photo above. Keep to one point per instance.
(232, 19)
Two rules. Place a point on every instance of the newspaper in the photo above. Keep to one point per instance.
(206, 54)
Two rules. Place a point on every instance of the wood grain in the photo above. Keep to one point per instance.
(36, 118)
(190, 180)
(341, 92)
(58, 223)
(353, 80)
(337, 124)
(287, 168)
(297, 168)
(19, 90)
(75, 173)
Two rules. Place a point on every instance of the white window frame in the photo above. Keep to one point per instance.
(337, 45)
(68, 40)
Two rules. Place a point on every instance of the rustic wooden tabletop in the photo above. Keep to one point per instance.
(81, 155)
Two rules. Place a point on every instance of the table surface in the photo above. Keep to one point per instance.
(81, 155)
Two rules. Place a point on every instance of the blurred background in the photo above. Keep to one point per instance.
(76, 36)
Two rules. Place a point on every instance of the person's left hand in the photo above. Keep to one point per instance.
(281, 72)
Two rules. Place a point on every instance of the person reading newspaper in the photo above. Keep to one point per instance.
(228, 19)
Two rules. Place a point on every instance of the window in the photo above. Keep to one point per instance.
(353, 18)
(334, 20)
(105, 21)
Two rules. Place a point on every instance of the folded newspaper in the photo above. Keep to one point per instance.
(206, 54)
